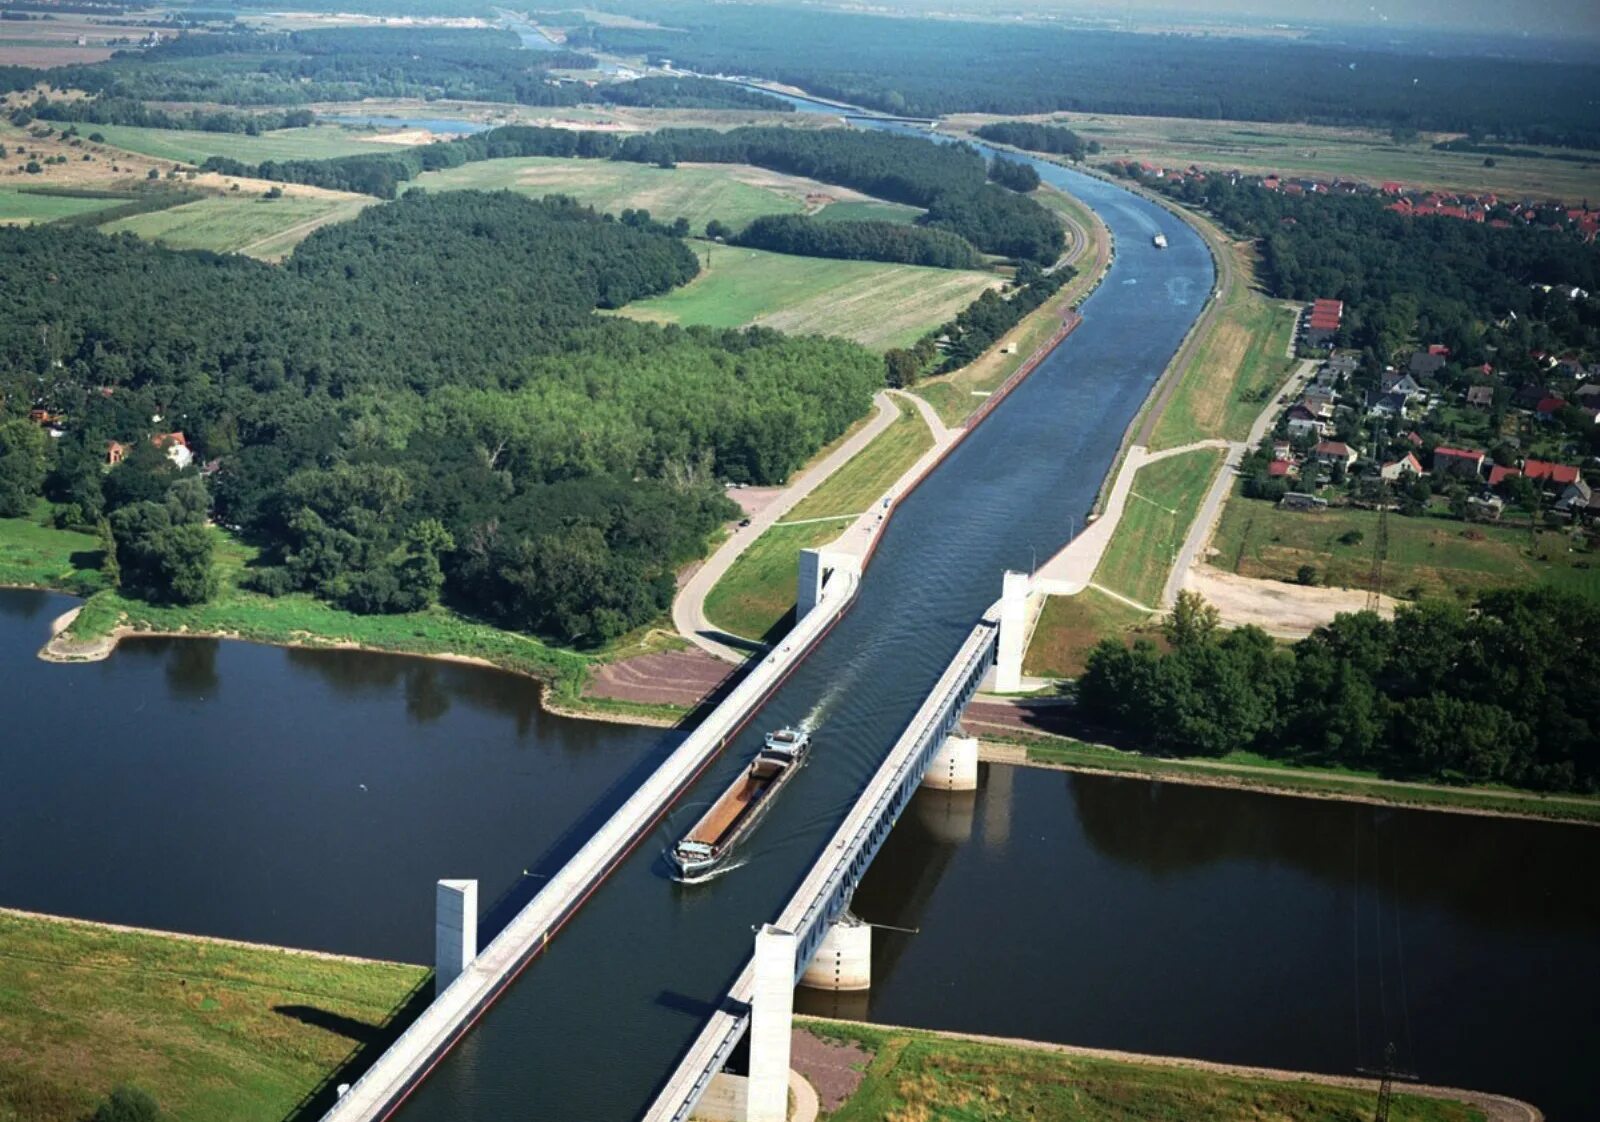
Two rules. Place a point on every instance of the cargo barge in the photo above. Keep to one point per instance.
(741, 806)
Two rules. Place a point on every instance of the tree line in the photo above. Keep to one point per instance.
(976, 328)
(1492, 693)
(950, 180)
(1035, 137)
(932, 67)
(897, 242)
(420, 403)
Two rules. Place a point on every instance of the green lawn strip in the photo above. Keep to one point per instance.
(35, 555)
(26, 207)
(1070, 626)
(859, 211)
(191, 146)
(1249, 770)
(266, 228)
(210, 1030)
(695, 193)
(1142, 548)
(1242, 361)
(871, 472)
(876, 304)
(758, 590)
(920, 1075)
(1426, 556)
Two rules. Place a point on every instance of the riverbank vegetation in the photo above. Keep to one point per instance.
(1492, 694)
(911, 1073)
(410, 436)
(208, 1030)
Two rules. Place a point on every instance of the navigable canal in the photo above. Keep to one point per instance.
(313, 798)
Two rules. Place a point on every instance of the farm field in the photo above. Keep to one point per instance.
(911, 1074)
(264, 228)
(23, 208)
(868, 212)
(193, 147)
(1426, 556)
(1068, 629)
(209, 1030)
(1238, 365)
(876, 304)
(734, 193)
(1161, 504)
(1321, 152)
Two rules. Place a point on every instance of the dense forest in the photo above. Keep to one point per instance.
(419, 403)
(1035, 137)
(929, 67)
(688, 93)
(860, 241)
(1403, 278)
(950, 180)
(1495, 693)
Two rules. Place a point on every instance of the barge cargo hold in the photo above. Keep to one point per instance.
(741, 806)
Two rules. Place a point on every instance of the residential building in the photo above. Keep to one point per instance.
(1480, 397)
(1461, 463)
(1407, 466)
(1332, 452)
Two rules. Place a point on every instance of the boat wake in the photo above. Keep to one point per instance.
(703, 878)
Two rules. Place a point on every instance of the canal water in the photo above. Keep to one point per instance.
(313, 798)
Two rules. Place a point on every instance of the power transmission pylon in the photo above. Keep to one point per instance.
(1386, 1078)
(1380, 550)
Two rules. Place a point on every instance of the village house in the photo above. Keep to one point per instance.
(1322, 322)
(1303, 423)
(1461, 463)
(174, 444)
(1425, 364)
(1320, 405)
(1548, 476)
(1480, 397)
(1407, 466)
(1400, 382)
(1282, 469)
(1330, 452)
(1282, 450)
(1575, 499)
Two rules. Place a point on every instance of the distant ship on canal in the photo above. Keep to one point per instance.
(1161, 241)
(742, 805)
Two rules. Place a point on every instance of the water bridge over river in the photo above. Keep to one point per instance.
(649, 982)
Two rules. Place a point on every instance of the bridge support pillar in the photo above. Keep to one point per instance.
(954, 766)
(771, 1022)
(844, 961)
(455, 930)
(816, 566)
(1013, 639)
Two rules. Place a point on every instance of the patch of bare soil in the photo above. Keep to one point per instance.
(1289, 611)
(834, 1069)
(665, 678)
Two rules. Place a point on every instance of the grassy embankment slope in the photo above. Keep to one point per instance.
(1327, 153)
(918, 1075)
(757, 592)
(875, 304)
(1163, 502)
(955, 395)
(33, 555)
(1425, 557)
(211, 1030)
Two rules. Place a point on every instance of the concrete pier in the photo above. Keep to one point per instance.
(455, 930)
(1013, 633)
(816, 567)
(954, 766)
(771, 1023)
(844, 960)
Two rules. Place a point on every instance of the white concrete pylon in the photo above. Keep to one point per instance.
(954, 766)
(843, 963)
(1013, 639)
(771, 1022)
(455, 930)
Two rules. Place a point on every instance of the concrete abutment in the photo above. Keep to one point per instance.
(843, 963)
(455, 930)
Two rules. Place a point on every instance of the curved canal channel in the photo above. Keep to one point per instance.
(312, 798)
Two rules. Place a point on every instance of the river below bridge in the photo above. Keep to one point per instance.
(313, 797)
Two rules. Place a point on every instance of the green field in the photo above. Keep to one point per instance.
(35, 555)
(920, 1075)
(1142, 548)
(210, 1030)
(188, 146)
(22, 208)
(733, 193)
(265, 228)
(1237, 367)
(1429, 556)
(861, 482)
(757, 592)
(878, 305)
(848, 211)
(1070, 626)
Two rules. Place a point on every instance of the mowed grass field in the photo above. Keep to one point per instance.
(757, 592)
(876, 304)
(22, 208)
(187, 146)
(34, 554)
(920, 1075)
(1070, 626)
(210, 1030)
(264, 228)
(1239, 364)
(1161, 505)
(1325, 152)
(1426, 556)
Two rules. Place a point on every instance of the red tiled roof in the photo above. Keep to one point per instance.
(1550, 405)
(1331, 448)
(1499, 474)
(1555, 473)
(1279, 467)
(1458, 453)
